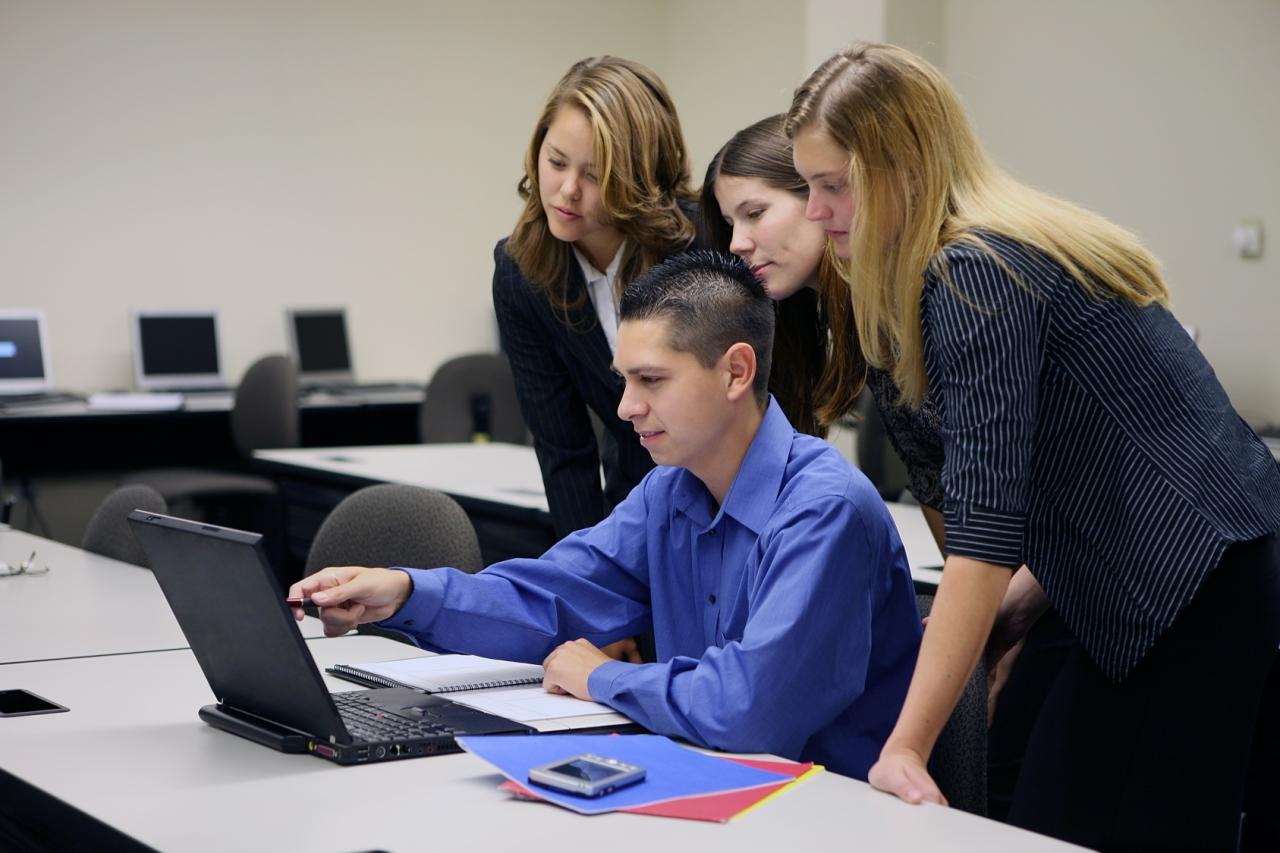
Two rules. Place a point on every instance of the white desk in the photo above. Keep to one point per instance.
(86, 604)
(508, 474)
(922, 549)
(495, 472)
(216, 401)
(148, 767)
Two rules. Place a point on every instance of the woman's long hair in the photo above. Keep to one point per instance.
(818, 368)
(643, 171)
(921, 181)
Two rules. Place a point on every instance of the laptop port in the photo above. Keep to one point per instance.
(362, 752)
(394, 749)
(326, 750)
(380, 752)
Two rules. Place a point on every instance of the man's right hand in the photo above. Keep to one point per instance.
(350, 595)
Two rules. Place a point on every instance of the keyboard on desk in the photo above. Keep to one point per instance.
(196, 392)
(39, 398)
(362, 388)
(367, 722)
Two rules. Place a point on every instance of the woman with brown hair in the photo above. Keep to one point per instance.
(753, 204)
(606, 196)
(1084, 436)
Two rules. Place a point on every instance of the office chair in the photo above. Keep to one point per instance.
(108, 532)
(876, 456)
(392, 524)
(264, 415)
(469, 396)
(959, 760)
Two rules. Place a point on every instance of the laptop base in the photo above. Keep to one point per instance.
(255, 729)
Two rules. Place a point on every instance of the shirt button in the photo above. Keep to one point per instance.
(711, 532)
(711, 599)
(408, 621)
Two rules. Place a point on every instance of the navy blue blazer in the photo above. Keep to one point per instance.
(562, 371)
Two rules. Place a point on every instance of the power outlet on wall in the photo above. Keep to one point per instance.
(1247, 238)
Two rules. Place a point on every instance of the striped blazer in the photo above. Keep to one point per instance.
(562, 371)
(1088, 438)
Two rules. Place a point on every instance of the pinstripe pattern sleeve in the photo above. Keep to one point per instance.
(983, 337)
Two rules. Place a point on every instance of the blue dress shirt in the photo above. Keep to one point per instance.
(785, 620)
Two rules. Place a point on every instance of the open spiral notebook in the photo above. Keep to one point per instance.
(441, 673)
(507, 688)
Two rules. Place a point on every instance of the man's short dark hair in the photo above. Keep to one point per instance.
(710, 301)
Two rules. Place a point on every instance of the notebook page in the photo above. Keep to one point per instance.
(445, 673)
(528, 704)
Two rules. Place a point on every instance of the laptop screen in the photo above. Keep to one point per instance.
(24, 358)
(176, 349)
(319, 342)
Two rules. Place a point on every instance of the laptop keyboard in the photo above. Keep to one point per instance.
(368, 722)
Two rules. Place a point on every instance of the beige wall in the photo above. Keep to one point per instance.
(1162, 115)
(254, 155)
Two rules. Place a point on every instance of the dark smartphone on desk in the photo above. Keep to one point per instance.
(21, 703)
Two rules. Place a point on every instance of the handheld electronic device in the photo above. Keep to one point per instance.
(20, 703)
(587, 775)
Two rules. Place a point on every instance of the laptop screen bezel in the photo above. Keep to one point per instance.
(317, 377)
(30, 385)
(169, 381)
(205, 571)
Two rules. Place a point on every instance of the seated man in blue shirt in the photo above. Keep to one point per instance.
(782, 607)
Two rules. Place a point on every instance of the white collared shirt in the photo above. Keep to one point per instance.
(600, 290)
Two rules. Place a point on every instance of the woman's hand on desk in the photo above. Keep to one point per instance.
(350, 595)
(903, 773)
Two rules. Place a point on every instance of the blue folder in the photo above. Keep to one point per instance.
(672, 771)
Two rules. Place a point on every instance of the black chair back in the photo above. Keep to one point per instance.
(108, 532)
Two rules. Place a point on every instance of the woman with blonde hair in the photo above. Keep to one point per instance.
(1084, 436)
(606, 196)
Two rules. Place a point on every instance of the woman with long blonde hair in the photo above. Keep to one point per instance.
(1084, 436)
(606, 195)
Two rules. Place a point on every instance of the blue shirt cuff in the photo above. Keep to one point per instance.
(600, 682)
(989, 535)
(420, 608)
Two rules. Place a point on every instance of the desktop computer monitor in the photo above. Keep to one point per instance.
(24, 353)
(318, 342)
(175, 350)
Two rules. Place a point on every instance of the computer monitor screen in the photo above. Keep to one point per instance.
(24, 360)
(176, 349)
(319, 341)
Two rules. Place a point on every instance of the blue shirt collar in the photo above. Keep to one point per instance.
(754, 491)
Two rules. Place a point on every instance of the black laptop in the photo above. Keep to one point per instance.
(223, 593)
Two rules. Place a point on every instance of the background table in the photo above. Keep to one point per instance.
(132, 755)
(499, 486)
(85, 605)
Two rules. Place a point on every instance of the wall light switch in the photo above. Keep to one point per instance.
(1247, 238)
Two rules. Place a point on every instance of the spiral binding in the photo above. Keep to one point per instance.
(354, 673)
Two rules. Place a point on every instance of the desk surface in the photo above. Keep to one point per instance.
(85, 605)
(151, 769)
(210, 401)
(495, 472)
(509, 474)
